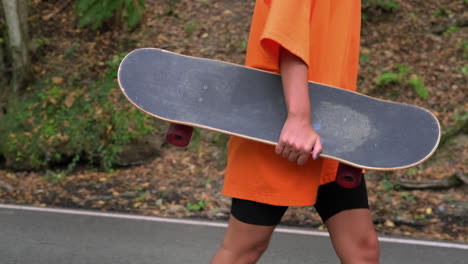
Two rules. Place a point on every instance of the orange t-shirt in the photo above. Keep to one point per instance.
(325, 35)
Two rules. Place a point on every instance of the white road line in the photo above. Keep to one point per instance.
(224, 225)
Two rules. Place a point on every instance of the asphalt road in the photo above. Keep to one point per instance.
(51, 236)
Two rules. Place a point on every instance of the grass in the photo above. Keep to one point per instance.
(199, 206)
(464, 70)
(451, 30)
(417, 83)
(191, 27)
(363, 58)
(243, 45)
(399, 76)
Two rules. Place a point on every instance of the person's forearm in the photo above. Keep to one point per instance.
(294, 78)
(298, 138)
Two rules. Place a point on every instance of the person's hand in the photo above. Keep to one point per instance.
(298, 139)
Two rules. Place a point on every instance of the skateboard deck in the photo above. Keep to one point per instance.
(355, 129)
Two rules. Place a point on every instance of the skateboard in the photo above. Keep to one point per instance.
(356, 130)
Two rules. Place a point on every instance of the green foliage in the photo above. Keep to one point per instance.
(460, 126)
(451, 30)
(141, 197)
(418, 86)
(384, 5)
(460, 116)
(464, 44)
(386, 184)
(71, 51)
(191, 27)
(363, 58)
(375, 8)
(403, 70)
(441, 13)
(196, 207)
(400, 77)
(196, 139)
(243, 45)
(38, 43)
(389, 6)
(207, 181)
(56, 124)
(406, 196)
(448, 199)
(412, 171)
(54, 177)
(420, 217)
(171, 12)
(464, 69)
(94, 13)
(220, 139)
(389, 78)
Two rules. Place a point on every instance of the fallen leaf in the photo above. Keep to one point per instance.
(57, 80)
(389, 223)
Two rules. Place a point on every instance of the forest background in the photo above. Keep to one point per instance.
(68, 138)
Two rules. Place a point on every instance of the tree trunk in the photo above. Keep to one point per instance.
(3, 82)
(3, 68)
(16, 19)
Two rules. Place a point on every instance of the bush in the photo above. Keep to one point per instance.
(95, 12)
(59, 124)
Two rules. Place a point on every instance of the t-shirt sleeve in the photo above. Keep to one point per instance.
(288, 25)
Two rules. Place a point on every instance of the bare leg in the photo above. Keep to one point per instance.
(353, 236)
(243, 243)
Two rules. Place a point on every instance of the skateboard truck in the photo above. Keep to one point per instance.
(179, 135)
(348, 176)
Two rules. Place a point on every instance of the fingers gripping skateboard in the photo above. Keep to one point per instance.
(348, 176)
(179, 135)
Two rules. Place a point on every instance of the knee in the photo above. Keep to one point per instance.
(253, 253)
(368, 246)
(260, 248)
(246, 253)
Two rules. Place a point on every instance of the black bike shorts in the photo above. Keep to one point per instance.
(331, 199)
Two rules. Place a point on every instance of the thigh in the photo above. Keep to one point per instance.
(251, 224)
(333, 199)
(346, 214)
(353, 236)
(256, 213)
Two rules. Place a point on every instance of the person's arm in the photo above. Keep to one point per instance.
(298, 137)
